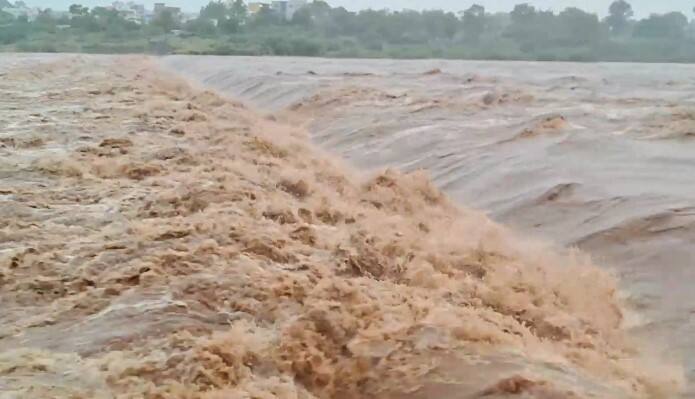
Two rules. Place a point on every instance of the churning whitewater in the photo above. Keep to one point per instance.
(161, 241)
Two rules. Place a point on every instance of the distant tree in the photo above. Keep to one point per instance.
(319, 8)
(342, 22)
(103, 12)
(166, 20)
(281, 45)
(523, 14)
(104, 16)
(229, 25)
(665, 26)
(105, 20)
(577, 28)
(303, 17)
(44, 21)
(330, 21)
(229, 18)
(78, 10)
(5, 18)
(371, 40)
(525, 27)
(319, 29)
(201, 26)
(369, 30)
(214, 10)
(405, 28)
(317, 11)
(239, 11)
(474, 23)
(235, 18)
(438, 24)
(496, 24)
(82, 19)
(14, 30)
(619, 14)
(266, 16)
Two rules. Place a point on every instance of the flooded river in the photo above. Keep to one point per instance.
(595, 156)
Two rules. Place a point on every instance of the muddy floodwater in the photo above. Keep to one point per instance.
(211, 227)
(597, 156)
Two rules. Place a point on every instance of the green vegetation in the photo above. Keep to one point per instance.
(525, 33)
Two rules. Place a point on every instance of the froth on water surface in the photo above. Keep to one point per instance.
(160, 241)
(597, 156)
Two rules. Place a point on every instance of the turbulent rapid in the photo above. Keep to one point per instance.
(158, 240)
(595, 156)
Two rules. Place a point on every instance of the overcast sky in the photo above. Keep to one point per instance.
(641, 7)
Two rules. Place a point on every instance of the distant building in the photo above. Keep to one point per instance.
(159, 8)
(255, 7)
(131, 11)
(139, 10)
(284, 8)
(188, 16)
(279, 8)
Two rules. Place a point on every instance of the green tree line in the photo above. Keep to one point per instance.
(317, 29)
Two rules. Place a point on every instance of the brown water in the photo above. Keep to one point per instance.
(598, 156)
(159, 241)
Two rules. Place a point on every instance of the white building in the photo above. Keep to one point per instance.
(130, 10)
(189, 16)
(256, 6)
(139, 10)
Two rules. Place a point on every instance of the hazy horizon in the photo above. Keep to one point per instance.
(642, 8)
